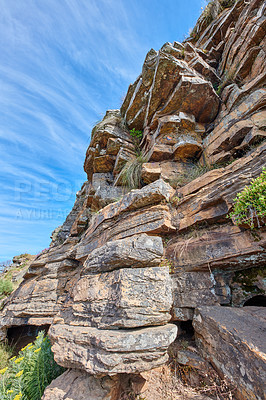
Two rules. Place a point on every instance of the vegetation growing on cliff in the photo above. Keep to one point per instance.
(6, 287)
(212, 9)
(130, 174)
(26, 376)
(5, 354)
(193, 171)
(250, 204)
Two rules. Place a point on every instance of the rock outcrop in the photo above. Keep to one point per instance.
(129, 270)
(234, 340)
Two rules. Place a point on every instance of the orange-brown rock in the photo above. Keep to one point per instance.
(174, 87)
(167, 170)
(209, 198)
(104, 163)
(225, 247)
(108, 136)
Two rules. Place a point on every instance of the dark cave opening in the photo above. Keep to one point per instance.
(187, 327)
(257, 301)
(20, 336)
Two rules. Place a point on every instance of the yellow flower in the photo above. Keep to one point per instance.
(10, 391)
(31, 347)
(13, 358)
(37, 350)
(24, 348)
(18, 360)
(19, 373)
(18, 396)
(2, 371)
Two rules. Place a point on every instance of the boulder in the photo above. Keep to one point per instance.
(192, 289)
(233, 340)
(191, 358)
(167, 170)
(103, 163)
(124, 298)
(135, 251)
(235, 132)
(108, 136)
(170, 86)
(78, 385)
(160, 152)
(182, 313)
(153, 220)
(111, 352)
(135, 213)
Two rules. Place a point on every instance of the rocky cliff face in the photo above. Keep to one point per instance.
(128, 267)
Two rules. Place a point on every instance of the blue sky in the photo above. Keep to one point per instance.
(63, 63)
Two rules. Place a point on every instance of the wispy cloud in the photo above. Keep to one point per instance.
(63, 64)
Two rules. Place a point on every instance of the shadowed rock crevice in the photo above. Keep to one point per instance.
(256, 301)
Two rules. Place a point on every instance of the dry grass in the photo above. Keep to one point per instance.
(6, 352)
(207, 382)
(130, 175)
(192, 172)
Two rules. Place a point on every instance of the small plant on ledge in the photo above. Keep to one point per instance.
(137, 137)
(250, 204)
(130, 175)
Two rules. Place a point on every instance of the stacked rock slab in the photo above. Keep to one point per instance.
(121, 286)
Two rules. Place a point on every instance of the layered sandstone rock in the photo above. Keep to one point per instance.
(190, 290)
(102, 352)
(234, 341)
(77, 385)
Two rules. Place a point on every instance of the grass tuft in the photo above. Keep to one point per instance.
(193, 172)
(6, 353)
(130, 175)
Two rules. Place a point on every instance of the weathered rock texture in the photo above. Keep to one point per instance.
(104, 284)
(77, 385)
(234, 341)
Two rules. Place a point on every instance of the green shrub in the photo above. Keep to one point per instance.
(25, 377)
(6, 287)
(227, 3)
(136, 134)
(137, 137)
(250, 204)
